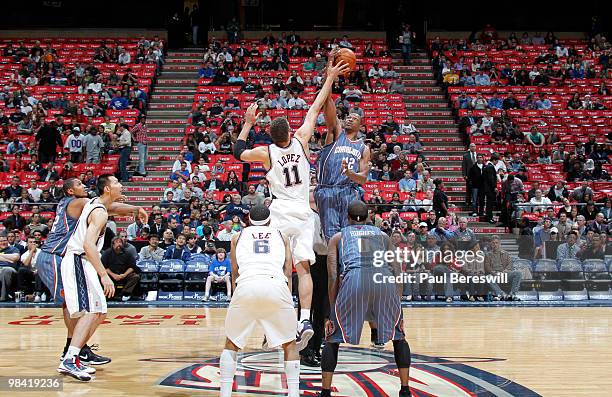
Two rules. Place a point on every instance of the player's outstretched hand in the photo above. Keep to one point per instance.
(340, 68)
(143, 216)
(331, 56)
(108, 285)
(251, 115)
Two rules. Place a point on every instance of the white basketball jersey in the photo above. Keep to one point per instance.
(289, 174)
(76, 242)
(260, 252)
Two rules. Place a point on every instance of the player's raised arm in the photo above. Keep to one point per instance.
(233, 261)
(331, 120)
(96, 226)
(305, 131)
(329, 108)
(121, 209)
(240, 151)
(288, 263)
(332, 268)
(360, 177)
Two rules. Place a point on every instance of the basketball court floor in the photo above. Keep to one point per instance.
(490, 351)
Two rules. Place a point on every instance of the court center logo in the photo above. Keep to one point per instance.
(360, 373)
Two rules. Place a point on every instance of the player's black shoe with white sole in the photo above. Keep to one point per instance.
(87, 356)
(305, 332)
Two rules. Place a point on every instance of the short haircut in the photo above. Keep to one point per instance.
(68, 184)
(495, 237)
(103, 181)
(153, 236)
(221, 251)
(279, 129)
(358, 211)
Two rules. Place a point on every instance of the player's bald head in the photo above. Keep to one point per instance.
(358, 211)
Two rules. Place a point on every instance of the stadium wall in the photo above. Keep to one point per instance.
(93, 32)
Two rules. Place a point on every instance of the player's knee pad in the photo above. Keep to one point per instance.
(329, 357)
(401, 351)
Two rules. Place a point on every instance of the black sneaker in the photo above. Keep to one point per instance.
(308, 359)
(87, 356)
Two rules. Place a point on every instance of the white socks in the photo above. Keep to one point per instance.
(304, 314)
(72, 351)
(292, 371)
(227, 368)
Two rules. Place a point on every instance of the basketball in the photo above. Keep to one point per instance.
(347, 55)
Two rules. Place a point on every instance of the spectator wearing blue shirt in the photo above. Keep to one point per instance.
(206, 71)
(495, 102)
(219, 272)
(482, 79)
(181, 175)
(9, 257)
(119, 102)
(543, 103)
(236, 208)
(236, 79)
(179, 250)
(16, 147)
(464, 101)
(407, 184)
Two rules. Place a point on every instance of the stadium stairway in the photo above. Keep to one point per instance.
(169, 109)
(428, 107)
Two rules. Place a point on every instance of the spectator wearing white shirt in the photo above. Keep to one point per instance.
(487, 121)
(180, 159)
(296, 102)
(124, 57)
(31, 80)
(408, 127)
(74, 144)
(376, 71)
(34, 191)
(345, 43)
(27, 272)
(539, 202)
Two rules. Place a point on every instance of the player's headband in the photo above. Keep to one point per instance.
(260, 222)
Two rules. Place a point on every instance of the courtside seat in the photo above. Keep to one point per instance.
(598, 279)
(547, 279)
(196, 271)
(528, 290)
(171, 275)
(149, 276)
(572, 280)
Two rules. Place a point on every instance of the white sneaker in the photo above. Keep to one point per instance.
(125, 298)
(205, 299)
(37, 299)
(43, 297)
(71, 368)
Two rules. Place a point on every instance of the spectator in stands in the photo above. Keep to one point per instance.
(511, 102)
(535, 138)
(219, 272)
(463, 233)
(440, 231)
(539, 202)
(595, 249)
(27, 272)
(74, 143)
(179, 249)
(599, 224)
(579, 193)
(124, 146)
(121, 267)
(498, 261)
(9, 258)
(440, 199)
(558, 192)
(181, 175)
(34, 192)
(152, 252)
(15, 220)
(397, 87)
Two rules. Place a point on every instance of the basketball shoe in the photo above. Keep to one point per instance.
(304, 333)
(72, 367)
(87, 356)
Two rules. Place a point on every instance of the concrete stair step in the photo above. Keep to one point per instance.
(424, 115)
(169, 106)
(174, 90)
(425, 106)
(172, 98)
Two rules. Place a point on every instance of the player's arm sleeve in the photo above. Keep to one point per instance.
(97, 223)
(332, 268)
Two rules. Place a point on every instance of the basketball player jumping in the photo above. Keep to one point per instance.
(260, 255)
(288, 165)
(84, 293)
(67, 213)
(355, 294)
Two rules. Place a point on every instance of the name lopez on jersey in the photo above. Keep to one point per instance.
(261, 236)
(289, 158)
(348, 150)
